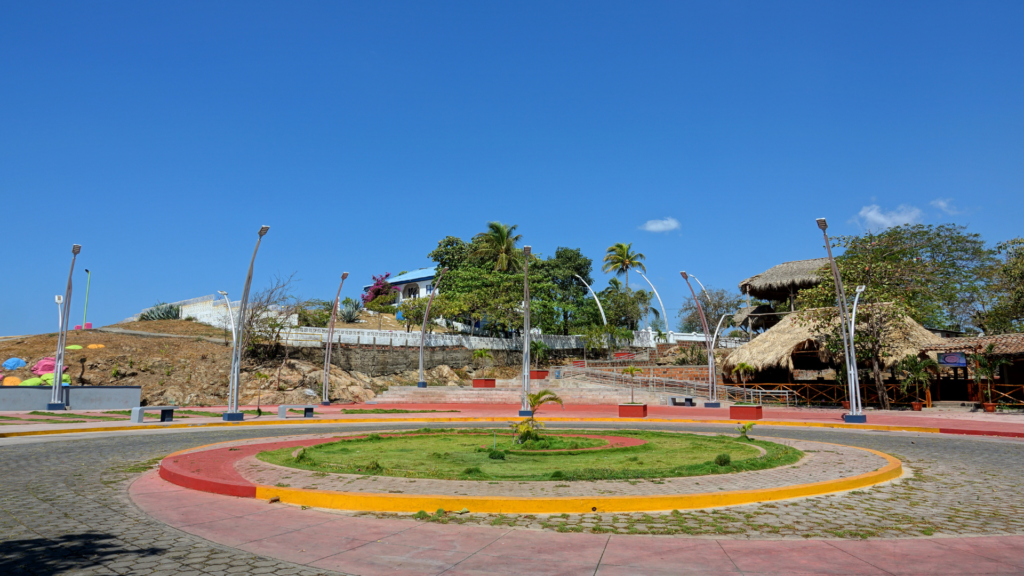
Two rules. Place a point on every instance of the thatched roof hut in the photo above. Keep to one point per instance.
(760, 317)
(776, 347)
(783, 281)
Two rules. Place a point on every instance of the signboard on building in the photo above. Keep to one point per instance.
(953, 359)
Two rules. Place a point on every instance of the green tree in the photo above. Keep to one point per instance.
(1003, 312)
(559, 299)
(383, 304)
(744, 370)
(497, 247)
(717, 302)
(620, 258)
(539, 352)
(915, 371)
(632, 371)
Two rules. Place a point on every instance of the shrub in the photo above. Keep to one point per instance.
(723, 459)
(472, 470)
(557, 474)
(496, 455)
(161, 311)
(421, 515)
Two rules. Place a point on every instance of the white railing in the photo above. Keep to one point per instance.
(669, 386)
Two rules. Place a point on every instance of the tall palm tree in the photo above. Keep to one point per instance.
(620, 258)
(498, 246)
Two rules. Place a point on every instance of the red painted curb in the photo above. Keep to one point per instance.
(967, 432)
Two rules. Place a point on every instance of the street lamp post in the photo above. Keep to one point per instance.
(855, 405)
(57, 394)
(660, 303)
(599, 307)
(233, 415)
(524, 406)
(231, 317)
(844, 322)
(325, 400)
(712, 390)
(85, 313)
(423, 331)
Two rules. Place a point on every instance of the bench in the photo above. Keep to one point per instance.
(166, 413)
(687, 401)
(307, 410)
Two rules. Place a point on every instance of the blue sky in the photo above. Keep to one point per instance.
(160, 136)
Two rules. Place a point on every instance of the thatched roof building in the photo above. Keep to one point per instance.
(783, 281)
(777, 347)
(759, 317)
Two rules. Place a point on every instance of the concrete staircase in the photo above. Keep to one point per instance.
(508, 392)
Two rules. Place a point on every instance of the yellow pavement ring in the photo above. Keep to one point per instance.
(307, 422)
(379, 502)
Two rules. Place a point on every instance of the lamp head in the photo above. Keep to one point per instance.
(344, 275)
(263, 230)
(822, 224)
(87, 271)
(860, 289)
(76, 248)
(222, 293)
(443, 270)
(58, 299)
(684, 275)
(526, 250)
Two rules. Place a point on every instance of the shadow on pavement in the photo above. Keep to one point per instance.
(65, 553)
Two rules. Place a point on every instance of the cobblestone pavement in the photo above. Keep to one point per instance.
(820, 462)
(64, 506)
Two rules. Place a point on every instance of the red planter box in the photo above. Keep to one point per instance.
(745, 412)
(538, 374)
(483, 382)
(632, 410)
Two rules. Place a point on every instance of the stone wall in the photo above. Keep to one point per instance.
(383, 359)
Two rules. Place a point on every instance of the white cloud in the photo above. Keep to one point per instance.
(660, 225)
(873, 218)
(946, 205)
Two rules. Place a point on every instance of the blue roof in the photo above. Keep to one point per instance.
(412, 276)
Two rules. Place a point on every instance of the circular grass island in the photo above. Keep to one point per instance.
(450, 454)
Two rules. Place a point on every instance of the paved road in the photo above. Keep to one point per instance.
(64, 506)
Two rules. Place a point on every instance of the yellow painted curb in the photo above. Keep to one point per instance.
(379, 502)
(306, 422)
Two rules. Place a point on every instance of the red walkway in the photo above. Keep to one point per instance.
(369, 547)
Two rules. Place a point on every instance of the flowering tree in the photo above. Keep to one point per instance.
(381, 287)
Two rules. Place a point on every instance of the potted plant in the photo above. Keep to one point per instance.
(632, 409)
(539, 352)
(915, 371)
(988, 366)
(480, 357)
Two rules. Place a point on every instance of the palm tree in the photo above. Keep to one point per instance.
(632, 371)
(915, 371)
(480, 356)
(987, 366)
(538, 399)
(498, 246)
(539, 351)
(526, 430)
(620, 258)
(745, 371)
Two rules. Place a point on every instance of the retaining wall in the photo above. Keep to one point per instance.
(18, 398)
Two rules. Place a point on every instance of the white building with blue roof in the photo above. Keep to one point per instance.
(413, 284)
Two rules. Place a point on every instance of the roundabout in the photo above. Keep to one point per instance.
(110, 511)
(420, 471)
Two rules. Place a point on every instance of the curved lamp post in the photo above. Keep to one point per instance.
(326, 401)
(57, 395)
(844, 322)
(660, 303)
(592, 293)
(855, 405)
(231, 317)
(233, 415)
(423, 331)
(85, 313)
(712, 390)
(524, 406)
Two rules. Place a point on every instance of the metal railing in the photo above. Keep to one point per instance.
(670, 387)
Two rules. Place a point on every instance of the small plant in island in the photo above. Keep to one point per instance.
(723, 459)
(915, 371)
(527, 429)
(632, 371)
(745, 429)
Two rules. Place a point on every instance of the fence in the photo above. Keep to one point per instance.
(672, 387)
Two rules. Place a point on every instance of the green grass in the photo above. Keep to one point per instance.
(464, 454)
(549, 442)
(58, 415)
